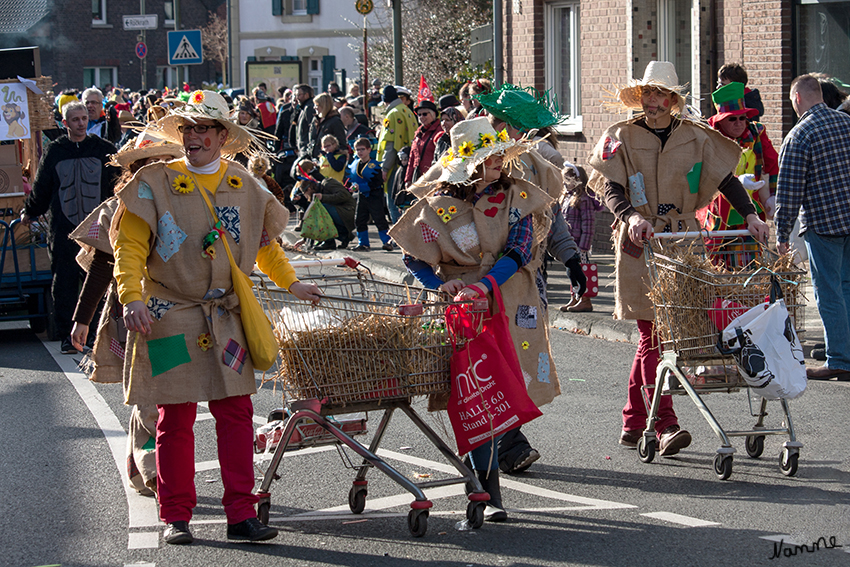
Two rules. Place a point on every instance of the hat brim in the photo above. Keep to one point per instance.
(127, 157)
(460, 170)
(750, 113)
(239, 138)
(630, 96)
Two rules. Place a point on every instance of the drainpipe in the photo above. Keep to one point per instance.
(498, 64)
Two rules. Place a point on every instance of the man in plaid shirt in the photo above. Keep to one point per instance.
(814, 172)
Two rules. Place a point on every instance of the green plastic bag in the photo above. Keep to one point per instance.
(318, 224)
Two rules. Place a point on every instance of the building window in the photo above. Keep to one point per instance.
(674, 43)
(166, 77)
(563, 77)
(299, 7)
(100, 77)
(314, 76)
(98, 11)
(169, 13)
(822, 32)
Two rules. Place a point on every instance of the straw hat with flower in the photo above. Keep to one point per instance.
(146, 145)
(209, 105)
(660, 74)
(473, 141)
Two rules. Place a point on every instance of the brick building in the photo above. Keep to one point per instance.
(584, 49)
(79, 48)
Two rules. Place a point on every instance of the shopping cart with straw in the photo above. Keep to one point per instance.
(369, 345)
(700, 282)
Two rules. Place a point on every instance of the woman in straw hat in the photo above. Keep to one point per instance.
(186, 342)
(653, 172)
(477, 220)
(105, 362)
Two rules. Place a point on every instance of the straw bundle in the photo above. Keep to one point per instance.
(367, 356)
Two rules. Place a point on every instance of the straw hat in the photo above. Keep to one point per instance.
(208, 105)
(473, 141)
(145, 145)
(661, 74)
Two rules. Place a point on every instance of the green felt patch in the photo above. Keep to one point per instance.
(693, 177)
(167, 353)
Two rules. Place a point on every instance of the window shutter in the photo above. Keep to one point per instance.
(312, 6)
(277, 7)
(328, 64)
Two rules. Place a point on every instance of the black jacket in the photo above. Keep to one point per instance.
(281, 128)
(331, 125)
(305, 129)
(71, 181)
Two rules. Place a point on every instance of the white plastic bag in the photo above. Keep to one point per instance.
(767, 351)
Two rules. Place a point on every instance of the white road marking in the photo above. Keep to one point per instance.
(261, 457)
(141, 510)
(143, 540)
(780, 537)
(390, 501)
(679, 519)
(140, 565)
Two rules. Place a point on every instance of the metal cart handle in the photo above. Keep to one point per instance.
(701, 233)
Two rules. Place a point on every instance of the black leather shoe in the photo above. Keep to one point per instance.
(250, 530)
(326, 245)
(177, 533)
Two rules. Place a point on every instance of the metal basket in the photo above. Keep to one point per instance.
(694, 303)
(367, 341)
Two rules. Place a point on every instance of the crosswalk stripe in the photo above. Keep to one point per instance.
(679, 519)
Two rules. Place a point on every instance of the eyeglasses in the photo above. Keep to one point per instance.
(93, 103)
(198, 128)
(736, 118)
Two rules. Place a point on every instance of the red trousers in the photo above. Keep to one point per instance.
(643, 372)
(175, 458)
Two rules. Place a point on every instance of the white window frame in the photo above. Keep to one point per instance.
(667, 39)
(99, 71)
(573, 124)
(171, 82)
(299, 11)
(166, 22)
(102, 21)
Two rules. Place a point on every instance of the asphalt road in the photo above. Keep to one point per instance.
(586, 502)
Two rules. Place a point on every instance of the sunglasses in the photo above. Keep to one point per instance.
(737, 118)
(198, 128)
(425, 113)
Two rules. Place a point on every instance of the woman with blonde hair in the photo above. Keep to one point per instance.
(327, 122)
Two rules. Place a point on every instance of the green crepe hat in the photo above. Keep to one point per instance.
(525, 109)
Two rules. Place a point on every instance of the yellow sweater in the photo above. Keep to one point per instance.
(133, 246)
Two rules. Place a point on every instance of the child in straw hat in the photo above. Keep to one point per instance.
(653, 172)
(477, 220)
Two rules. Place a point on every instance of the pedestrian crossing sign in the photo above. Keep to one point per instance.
(184, 47)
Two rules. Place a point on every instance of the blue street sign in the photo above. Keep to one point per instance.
(184, 47)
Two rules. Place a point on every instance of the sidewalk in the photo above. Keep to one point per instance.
(599, 323)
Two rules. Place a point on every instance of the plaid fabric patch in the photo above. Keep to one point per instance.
(428, 233)
(609, 148)
(526, 317)
(234, 356)
(116, 348)
(264, 238)
(94, 231)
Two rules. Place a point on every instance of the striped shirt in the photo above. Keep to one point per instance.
(814, 173)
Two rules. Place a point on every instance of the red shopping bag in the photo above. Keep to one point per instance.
(488, 394)
(591, 272)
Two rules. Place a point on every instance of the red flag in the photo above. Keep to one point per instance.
(424, 91)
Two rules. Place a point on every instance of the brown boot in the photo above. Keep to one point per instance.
(573, 300)
(582, 306)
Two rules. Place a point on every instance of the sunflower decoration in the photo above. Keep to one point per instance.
(441, 211)
(524, 345)
(523, 194)
(205, 342)
(183, 184)
(487, 140)
(452, 209)
(503, 135)
(234, 181)
(466, 149)
(197, 97)
(386, 122)
(444, 161)
(447, 217)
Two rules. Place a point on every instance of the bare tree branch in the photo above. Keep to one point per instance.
(214, 39)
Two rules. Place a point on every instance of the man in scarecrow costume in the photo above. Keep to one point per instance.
(186, 342)
(653, 172)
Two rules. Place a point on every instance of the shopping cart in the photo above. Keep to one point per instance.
(700, 282)
(369, 345)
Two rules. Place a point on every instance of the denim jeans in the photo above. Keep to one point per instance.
(829, 259)
(486, 457)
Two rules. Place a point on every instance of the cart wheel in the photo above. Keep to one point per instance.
(723, 466)
(263, 512)
(417, 522)
(755, 445)
(357, 499)
(788, 462)
(646, 450)
(475, 514)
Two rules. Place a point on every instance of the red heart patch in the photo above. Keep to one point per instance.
(491, 212)
(497, 198)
